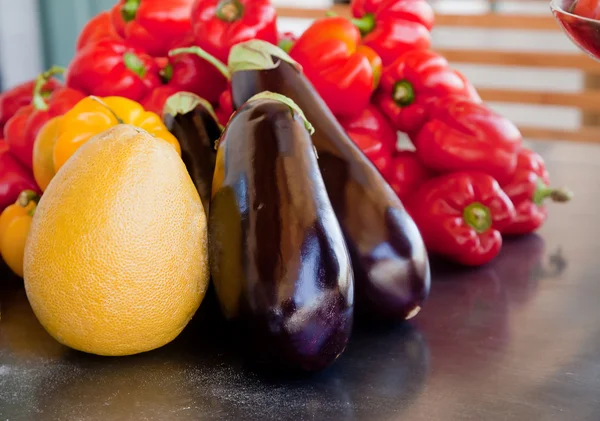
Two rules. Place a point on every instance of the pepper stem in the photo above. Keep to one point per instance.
(220, 66)
(104, 104)
(133, 63)
(26, 197)
(39, 96)
(542, 192)
(129, 9)
(403, 93)
(286, 45)
(266, 95)
(478, 217)
(366, 24)
(166, 73)
(230, 10)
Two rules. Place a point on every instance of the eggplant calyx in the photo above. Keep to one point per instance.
(272, 96)
(205, 55)
(185, 102)
(258, 55)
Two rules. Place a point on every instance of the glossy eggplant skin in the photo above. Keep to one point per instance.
(391, 266)
(278, 258)
(197, 129)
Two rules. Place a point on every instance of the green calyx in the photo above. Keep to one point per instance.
(166, 73)
(543, 192)
(185, 102)
(26, 197)
(230, 10)
(286, 45)
(272, 96)
(39, 95)
(257, 55)
(478, 217)
(133, 63)
(129, 9)
(219, 65)
(366, 24)
(403, 93)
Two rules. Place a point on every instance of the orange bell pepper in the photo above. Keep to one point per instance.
(93, 115)
(15, 223)
(43, 152)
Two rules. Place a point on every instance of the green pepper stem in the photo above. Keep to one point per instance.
(104, 104)
(133, 63)
(478, 217)
(366, 24)
(272, 96)
(230, 10)
(543, 192)
(166, 73)
(129, 10)
(219, 65)
(26, 197)
(403, 93)
(286, 45)
(39, 96)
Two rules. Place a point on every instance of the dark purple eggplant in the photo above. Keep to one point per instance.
(391, 266)
(279, 263)
(193, 122)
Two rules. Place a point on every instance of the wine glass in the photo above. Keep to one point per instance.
(583, 32)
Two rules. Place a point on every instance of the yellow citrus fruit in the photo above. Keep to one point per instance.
(116, 260)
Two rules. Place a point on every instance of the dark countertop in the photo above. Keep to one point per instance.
(516, 340)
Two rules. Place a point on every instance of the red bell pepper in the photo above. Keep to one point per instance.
(96, 29)
(220, 24)
(393, 27)
(344, 72)
(14, 178)
(225, 109)
(194, 70)
(464, 135)
(412, 82)
(156, 100)
(374, 135)
(528, 189)
(20, 96)
(153, 26)
(21, 130)
(113, 68)
(407, 173)
(461, 215)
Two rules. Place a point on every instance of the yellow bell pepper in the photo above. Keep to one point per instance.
(43, 152)
(93, 115)
(15, 223)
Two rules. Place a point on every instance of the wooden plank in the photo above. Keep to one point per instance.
(589, 135)
(522, 59)
(483, 20)
(589, 100)
(499, 21)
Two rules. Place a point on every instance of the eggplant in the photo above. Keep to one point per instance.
(192, 120)
(391, 266)
(279, 263)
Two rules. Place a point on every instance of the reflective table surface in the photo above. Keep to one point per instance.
(518, 339)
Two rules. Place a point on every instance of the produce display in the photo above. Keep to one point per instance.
(193, 143)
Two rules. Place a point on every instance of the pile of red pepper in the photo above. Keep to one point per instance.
(467, 182)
